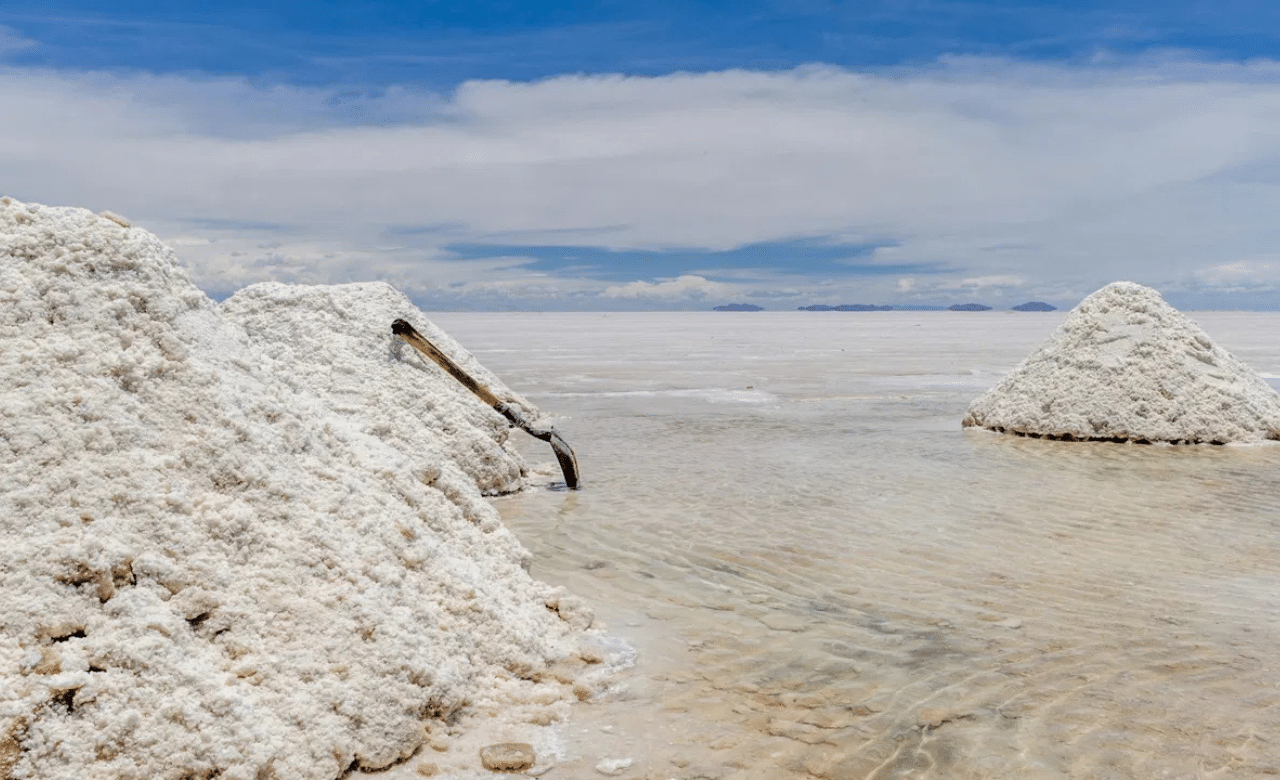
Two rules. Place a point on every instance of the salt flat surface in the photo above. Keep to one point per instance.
(825, 576)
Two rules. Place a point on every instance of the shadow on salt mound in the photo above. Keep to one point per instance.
(1125, 366)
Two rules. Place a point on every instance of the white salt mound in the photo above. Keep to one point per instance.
(1126, 366)
(244, 541)
(333, 342)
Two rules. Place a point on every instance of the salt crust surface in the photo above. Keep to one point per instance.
(1125, 365)
(244, 541)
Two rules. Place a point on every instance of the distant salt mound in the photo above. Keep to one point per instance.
(224, 557)
(1126, 366)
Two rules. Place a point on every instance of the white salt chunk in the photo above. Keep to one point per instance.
(614, 766)
(1127, 366)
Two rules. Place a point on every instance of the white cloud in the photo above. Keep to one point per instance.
(949, 285)
(11, 41)
(687, 286)
(1065, 177)
(989, 282)
(1254, 274)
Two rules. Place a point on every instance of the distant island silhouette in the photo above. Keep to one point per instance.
(969, 307)
(738, 307)
(1035, 306)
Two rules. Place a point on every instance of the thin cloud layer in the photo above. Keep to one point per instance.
(983, 175)
(12, 41)
(687, 286)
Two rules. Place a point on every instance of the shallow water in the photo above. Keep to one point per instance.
(825, 576)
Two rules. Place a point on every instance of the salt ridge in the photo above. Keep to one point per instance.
(1126, 366)
(245, 541)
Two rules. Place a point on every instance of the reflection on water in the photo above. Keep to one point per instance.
(827, 577)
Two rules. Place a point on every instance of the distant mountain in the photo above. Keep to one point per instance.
(1035, 306)
(969, 307)
(845, 307)
(738, 307)
(919, 308)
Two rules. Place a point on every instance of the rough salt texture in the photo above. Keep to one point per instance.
(380, 384)
(1126, 366)
(220, 558)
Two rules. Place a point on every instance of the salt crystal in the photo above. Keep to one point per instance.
(614, 766)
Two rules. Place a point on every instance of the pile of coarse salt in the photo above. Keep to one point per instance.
(333, 342)
(244, 541)
(1126, 366)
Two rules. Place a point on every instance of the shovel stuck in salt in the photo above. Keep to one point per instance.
(564, 453)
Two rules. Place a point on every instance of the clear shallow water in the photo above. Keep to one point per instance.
(825, 576)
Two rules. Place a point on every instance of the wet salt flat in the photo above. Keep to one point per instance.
(824, 576)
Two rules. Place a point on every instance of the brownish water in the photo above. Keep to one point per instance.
(824, 576)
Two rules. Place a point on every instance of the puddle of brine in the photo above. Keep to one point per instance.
(843, 584)
(1049, 637)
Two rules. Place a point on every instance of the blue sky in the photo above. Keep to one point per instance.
(441, 44)
(607, 155)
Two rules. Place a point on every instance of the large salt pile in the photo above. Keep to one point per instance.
(225, 557)
(1126, 366)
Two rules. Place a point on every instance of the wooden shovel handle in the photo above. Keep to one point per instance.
(564, 453)
(416, 340)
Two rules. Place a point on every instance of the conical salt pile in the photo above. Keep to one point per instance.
(228, 551)
(1126, 366)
